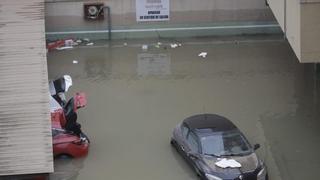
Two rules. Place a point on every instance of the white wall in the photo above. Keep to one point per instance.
(293, 27)
(300, 21)
(310, 32)
(277, 7)
(65, 16)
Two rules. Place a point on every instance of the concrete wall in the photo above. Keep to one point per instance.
(310, 32)
(67, 15)
(300, 21)
(25, 124)
(292, 26)
(277, 7)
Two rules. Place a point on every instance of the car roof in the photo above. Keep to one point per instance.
(214, 122)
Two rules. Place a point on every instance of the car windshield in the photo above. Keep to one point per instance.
(231, 143)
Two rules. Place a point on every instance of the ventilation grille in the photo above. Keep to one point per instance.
(94, 11)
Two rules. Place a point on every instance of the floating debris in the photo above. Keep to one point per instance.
(174, 45)
(64, 47)
(144, 47)
(90, 44)
(63, 44)
(75, 62)
(158, 45)
(68, 42)
(55, 44)
(86, 39)
(125, 44)
(203, 54)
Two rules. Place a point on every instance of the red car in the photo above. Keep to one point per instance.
(68, 139)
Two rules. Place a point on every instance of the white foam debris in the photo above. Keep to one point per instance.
(74, 44)
(203, 54)
(68, 42)
(90, 44)
(158, 45)
(144, 47)
(174, 45)
(64, 47)
(75, 62)
(228, 163)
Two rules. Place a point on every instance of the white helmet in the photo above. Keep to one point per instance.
(68, 81)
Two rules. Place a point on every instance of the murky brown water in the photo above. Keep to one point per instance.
(136, 97)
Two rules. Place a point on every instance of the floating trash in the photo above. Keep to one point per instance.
(90, 44)
(68, 42)
(64, 47)
(86, 39)
(55, 44)
(75, 62)
(203, 54)
(174, 45)
(144, 47)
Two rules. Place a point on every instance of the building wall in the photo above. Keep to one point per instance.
(25, 125)
(277, 7)
(310, 32)
(292, 26)
(300, 21)
(67, 15)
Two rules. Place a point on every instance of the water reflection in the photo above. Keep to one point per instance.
(153, 64)
(138, 97)
(66, 169)
(187, 169)
(98, 67)
(294, 136)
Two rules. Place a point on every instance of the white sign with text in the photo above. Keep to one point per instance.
(152, 10)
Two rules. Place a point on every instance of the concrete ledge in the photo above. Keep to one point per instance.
(173, 32)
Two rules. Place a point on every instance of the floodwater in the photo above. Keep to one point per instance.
(136, 97)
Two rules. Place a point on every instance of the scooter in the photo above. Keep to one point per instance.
(68, 138)
(59, 87)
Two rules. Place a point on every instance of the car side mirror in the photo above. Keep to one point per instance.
(192, 155)
(256, 146)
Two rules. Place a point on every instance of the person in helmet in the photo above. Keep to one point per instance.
(58, 88)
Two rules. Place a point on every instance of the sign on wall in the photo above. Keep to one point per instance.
(152, 10)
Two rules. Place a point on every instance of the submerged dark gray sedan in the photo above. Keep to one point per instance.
(217, 150)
